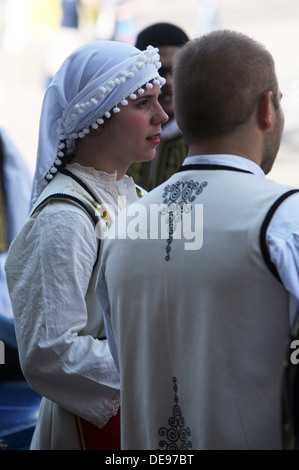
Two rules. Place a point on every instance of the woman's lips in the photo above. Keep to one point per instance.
(155, 139)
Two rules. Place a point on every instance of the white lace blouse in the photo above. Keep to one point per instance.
(49, 270)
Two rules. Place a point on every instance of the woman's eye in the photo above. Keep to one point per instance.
(143, 103)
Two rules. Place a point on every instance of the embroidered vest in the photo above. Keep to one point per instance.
(66, 187)
(238, 288)
(220, 314)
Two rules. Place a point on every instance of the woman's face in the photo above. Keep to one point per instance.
(133, 134)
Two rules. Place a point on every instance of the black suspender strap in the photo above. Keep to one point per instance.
(80, 182)
(69, 197)
(263, 231)
(207, 166)
(72, 198)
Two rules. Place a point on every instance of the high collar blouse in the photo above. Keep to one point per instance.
(49, 269)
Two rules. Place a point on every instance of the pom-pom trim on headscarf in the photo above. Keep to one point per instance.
(151, 55)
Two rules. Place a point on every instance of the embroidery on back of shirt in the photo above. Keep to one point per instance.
(177, 434)
(178, 197)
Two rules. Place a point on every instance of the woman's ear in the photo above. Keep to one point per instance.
(266, 110)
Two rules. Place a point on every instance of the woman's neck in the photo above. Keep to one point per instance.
(99, 164)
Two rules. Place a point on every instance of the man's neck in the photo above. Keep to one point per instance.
(230, 146)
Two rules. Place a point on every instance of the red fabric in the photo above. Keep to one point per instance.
(93, 438)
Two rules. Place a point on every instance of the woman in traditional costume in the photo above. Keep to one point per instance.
(100, 113)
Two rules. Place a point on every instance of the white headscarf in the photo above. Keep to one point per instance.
(89, 85)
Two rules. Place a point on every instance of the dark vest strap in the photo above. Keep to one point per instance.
(265, 225)
(207, 166)
(69, 197)
(80, 182)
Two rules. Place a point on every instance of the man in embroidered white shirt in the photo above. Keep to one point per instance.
(199, 335)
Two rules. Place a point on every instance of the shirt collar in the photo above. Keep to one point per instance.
(228, 160)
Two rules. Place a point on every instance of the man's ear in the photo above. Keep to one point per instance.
(266, 110)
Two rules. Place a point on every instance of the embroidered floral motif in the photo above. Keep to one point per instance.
(182, 192)
(170, 238)
(177, 435)
(178, 197)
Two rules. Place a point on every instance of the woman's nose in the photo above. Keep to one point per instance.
(161, 116)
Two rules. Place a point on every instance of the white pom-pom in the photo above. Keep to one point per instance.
(141, 91)
(100, 121)
(107, 114)
(124, 102)
(94, 125)
(116, 109)
(133, 96)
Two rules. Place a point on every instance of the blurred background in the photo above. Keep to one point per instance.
(36, 35)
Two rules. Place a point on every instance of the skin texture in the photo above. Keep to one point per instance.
(128, 136)
(257, 140)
